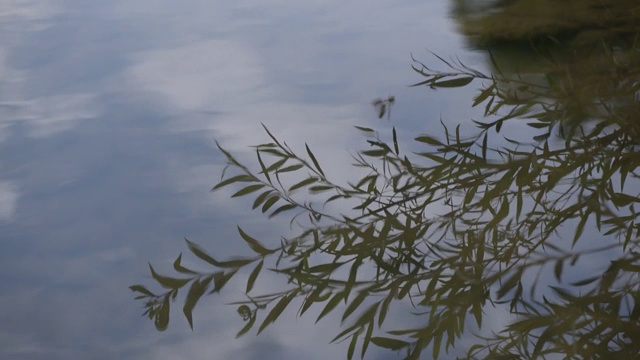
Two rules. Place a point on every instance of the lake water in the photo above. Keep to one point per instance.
(109, 113)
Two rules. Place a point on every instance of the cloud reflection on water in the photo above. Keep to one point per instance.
(108, 115)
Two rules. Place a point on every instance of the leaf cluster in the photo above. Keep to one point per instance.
(452, 231)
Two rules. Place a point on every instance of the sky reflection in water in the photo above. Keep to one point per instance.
(109, 111)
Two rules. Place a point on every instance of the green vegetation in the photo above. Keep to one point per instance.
(544, 228)
(585, 21)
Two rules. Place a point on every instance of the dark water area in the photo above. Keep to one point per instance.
(109, 114)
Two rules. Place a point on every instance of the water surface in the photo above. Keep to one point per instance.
(109, 112)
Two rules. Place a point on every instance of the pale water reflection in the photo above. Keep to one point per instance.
(109, 111)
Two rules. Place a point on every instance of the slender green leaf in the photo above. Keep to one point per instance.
(320, 188)
(429, 140)
(557, 270)
(276, 311)
(261, 198)
(235, 179)
(177, 265)
(162, 315)
(269, 203)
(453, 83)
(352, 345)
(253, 276)
(362, 295)
(389, 343)
(220, 279)
(303, 183)
(290, 168)
(283, 208)
(265, 172)
(248, 190)
(365, 129)
(395, 142)
(197, 251)
(254, 244)
(141, 289)
(198, 288)
(314, 160)
(331, 304)
(484, 94)
(247, 327)
(367, 338)
(168, 282)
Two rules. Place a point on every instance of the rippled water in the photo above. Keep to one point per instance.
(109, 111)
